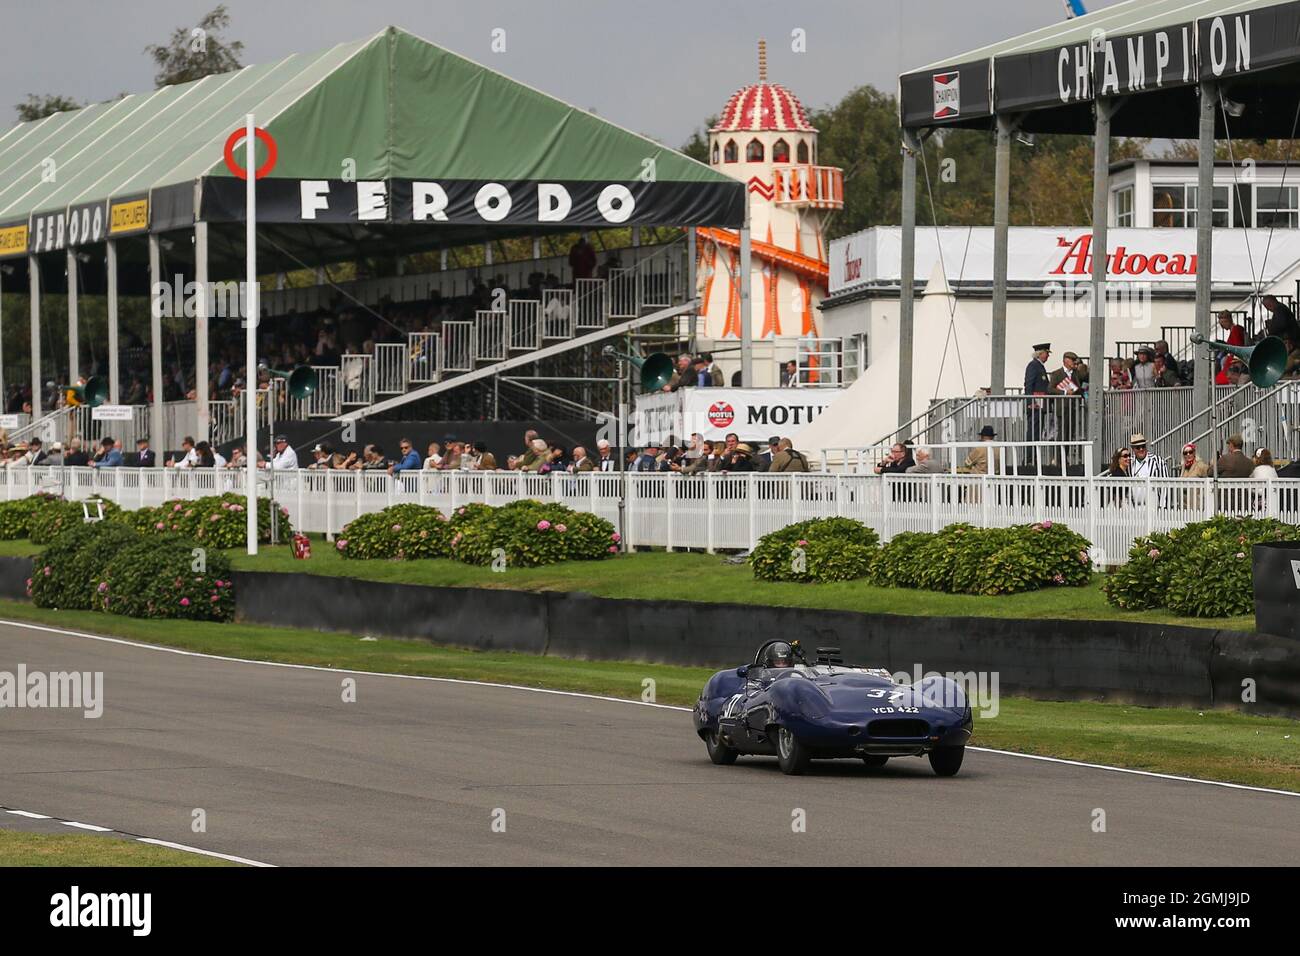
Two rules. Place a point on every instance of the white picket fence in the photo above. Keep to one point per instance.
(716, 512)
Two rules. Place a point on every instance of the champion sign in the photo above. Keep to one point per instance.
(947, 95)
(1077, 261)
(78, 226)
(431, 202)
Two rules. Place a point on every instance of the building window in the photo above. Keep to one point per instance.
(1124, 207)
(802, 151)
(731, 152)
(780, 151)
(754, 152)
(715, 154)
(1276, 206)
(1174, 206)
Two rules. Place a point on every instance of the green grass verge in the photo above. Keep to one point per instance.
(681, 576)
(1214, 745)
(59, 849)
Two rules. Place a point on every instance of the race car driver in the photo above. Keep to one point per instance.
(779, 654)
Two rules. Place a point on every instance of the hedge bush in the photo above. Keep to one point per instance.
(54, 515)
(405, 532)
(16, 515)
(162, 577)
(66, 573)
(1201, 570)
(532, 533)
(832, 549)
(964, 559)
(218, 521)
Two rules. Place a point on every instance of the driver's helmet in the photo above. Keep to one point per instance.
(779, 654)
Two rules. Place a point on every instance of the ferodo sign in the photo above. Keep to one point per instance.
(476, 202)
(78, 226)
(754, 414)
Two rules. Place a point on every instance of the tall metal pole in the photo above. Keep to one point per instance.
(1001, 239)
(1203, 390)
(114, 372)
(202, 410)
(907, 281)
(250, 329)
(34, 287)
(4, 396)
(156, 291)
(745, 278)
(1105, 109)
(74, 344)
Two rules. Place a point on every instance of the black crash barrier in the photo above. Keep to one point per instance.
(1115, 661)
(1275, 570)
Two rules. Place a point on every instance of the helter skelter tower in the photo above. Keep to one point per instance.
(764, 139)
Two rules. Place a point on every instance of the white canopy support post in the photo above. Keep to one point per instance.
(34, 290)
(202, 409)
(74, 345)
(156, 437)
(114, 372)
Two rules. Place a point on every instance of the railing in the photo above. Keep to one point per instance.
(489, 335)
(356, 379)
(525, 329)
(390, 368)
(422, 356)
(715, 511)
(557, 314)
(820, 186)
(1001, 457)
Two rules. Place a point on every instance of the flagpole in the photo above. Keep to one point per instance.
(250, 329)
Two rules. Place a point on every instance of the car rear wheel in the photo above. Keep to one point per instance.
(719, 752)
(790, 753)
(875, 760)
(946, 761)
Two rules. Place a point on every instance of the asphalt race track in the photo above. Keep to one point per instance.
(413, 771)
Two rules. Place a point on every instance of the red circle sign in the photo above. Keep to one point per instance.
(721, 414)
(271, 152)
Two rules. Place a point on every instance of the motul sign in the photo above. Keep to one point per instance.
(1077, 261)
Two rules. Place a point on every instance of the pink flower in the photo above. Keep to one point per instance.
(561, 528)
(803, 542)
(1058, 578)
(215, 599)
(215, 518)
(613, 549)
(397, 527)
(1153, 553)
(442, 517)
(47, 570)
(284, 512)
(159, 526)
(543, 525)
(341, 544)
(1047, 524)
(176, 507)
(103, 586)
(615, 537)
(185, 602)
(217, 582)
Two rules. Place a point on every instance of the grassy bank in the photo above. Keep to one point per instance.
(60, 849)
(1215, 745)
(681, 576)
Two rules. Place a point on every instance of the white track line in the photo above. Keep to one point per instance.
(617, 700)
(194, 849)
(139, 839)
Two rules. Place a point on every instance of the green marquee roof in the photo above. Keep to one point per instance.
(391, 108)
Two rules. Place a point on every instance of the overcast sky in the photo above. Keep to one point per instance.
(656, 66)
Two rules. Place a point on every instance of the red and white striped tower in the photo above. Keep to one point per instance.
(764, 139)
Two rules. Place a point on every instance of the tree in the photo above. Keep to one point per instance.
(194, 53)
(38, 107)
(697, 147)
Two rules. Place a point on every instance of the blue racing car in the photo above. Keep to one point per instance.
(780, 705)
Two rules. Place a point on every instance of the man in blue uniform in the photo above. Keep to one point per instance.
(1036, 383)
